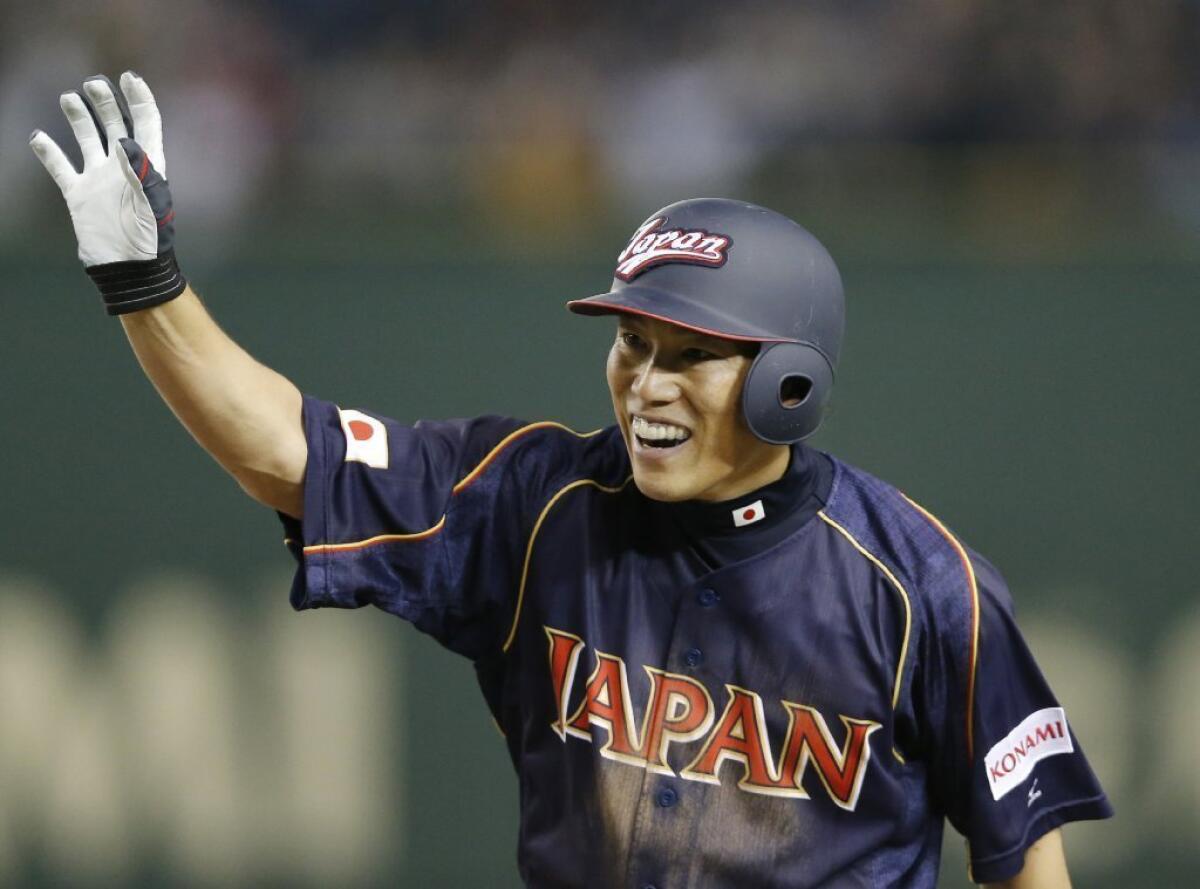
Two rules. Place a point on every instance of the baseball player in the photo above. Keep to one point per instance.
(719, 657)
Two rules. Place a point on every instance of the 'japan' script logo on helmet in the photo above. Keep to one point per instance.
(651, 245)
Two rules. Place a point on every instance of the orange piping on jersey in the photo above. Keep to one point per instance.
(974, 588)
(899, 588)
(509, 439)
(462, 484)
(512, 633)
(371, 541)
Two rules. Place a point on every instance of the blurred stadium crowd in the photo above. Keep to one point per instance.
(536, 111)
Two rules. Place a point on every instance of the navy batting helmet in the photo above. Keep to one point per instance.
(741, 272)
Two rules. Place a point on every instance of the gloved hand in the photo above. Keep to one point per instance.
(120, 204)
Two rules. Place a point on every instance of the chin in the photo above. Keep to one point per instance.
(661, 489)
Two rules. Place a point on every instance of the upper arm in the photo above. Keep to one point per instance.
(1006, 768)
(283, 491)
(1045, 866)
(427, 522)
(246, 415)
(276, 478)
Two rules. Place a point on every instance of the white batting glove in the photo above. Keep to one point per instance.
(120, 204)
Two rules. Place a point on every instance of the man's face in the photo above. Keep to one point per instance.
(677, 398)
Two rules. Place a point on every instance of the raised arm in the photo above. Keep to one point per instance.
(244, 414)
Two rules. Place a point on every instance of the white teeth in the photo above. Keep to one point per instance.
(658, 431)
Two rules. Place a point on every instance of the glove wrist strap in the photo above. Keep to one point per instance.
(138, 284)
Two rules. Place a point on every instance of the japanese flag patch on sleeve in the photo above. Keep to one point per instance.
(366, 439)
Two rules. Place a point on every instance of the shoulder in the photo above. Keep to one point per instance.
(488, 453)
(924, 554)
(533, 454)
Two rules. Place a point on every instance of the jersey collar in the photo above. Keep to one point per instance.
(755, 514)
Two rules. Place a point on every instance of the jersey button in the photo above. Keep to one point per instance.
(708, 598)
(667, 797)
(693, 656)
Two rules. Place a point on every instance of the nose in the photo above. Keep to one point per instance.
(655, 384)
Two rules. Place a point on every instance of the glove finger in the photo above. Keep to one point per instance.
(135, 164)
(113, 118)
(147, 122)
(87, 133)
(140, 174)
(150, 190)
(60, 168)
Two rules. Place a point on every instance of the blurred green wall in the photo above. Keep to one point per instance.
(1044, 408)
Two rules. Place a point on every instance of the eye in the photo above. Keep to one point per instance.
(694, 354)
(630, 339)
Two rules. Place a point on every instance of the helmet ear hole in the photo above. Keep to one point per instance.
(794, 390)
(786, 390)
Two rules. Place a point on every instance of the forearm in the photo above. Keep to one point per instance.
(1045, 866)
(244, 414)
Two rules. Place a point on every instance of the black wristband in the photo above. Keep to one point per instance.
(139, 284)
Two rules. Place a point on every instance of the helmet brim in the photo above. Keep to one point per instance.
(662, 305)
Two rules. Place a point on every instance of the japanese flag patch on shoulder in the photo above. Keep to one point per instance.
(366, 439)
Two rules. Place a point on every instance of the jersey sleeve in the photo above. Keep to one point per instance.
(427, 522)
(1006, 766)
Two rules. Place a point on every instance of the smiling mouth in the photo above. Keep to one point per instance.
(659, 436)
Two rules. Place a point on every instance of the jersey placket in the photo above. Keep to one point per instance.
(671, 808)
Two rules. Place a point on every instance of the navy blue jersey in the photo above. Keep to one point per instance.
(803, 713)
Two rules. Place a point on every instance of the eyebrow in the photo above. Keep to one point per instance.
(692, 337)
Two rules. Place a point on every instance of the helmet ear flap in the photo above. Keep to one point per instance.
(786, 392)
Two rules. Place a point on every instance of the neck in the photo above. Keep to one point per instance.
(721, 533)
(768, 471)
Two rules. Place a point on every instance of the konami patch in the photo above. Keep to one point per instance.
(366, 439)
(1040, 734)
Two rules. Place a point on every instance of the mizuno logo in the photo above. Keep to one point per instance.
(651, 246)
